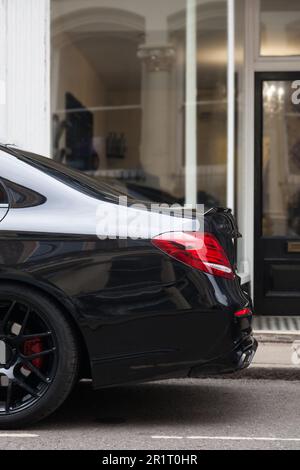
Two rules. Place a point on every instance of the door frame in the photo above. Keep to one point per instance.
(260, 77)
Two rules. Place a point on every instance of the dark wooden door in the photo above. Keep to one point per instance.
(277, 194)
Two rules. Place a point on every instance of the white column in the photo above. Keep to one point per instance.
(27, 76)
(231, 104)
(3, 78)
(157, 162)
(245, 179)
(191, 105)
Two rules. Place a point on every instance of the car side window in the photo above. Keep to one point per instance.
(3, 195)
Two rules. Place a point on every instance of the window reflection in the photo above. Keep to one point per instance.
(280, 27)
(118, 93)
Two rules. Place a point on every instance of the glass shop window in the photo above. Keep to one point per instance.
(118, 80)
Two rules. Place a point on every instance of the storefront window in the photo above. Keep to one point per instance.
(119, 93)
(280, 28)
(212, 101)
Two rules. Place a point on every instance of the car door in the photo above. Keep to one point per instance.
(4, 203)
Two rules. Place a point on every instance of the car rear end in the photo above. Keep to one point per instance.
(211, 251)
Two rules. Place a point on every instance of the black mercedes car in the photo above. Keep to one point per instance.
(89, 289)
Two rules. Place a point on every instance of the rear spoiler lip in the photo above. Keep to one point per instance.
(218, 209)
(229, 216)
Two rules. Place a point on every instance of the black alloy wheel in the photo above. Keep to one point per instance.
(38, 357)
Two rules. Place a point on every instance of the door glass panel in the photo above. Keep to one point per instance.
(280, 28)
(281, 159)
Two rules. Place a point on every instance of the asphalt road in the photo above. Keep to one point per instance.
(187, 414)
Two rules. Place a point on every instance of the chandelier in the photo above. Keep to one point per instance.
(274, 97)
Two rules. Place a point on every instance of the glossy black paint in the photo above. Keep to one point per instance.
(141, 315)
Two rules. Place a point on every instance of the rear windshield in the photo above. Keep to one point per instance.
(97, 188)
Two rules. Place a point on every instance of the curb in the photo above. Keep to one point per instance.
(276, 336)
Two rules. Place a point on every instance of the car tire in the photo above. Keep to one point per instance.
(51, 372)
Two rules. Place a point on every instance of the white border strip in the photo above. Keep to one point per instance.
(230, 438)
(14, 435)
(231, 104)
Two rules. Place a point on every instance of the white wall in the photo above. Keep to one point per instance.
(2, 69)
(24, 43)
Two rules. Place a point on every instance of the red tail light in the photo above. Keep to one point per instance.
(199, 250)
(245, 312)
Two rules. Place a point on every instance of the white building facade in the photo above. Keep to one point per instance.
(192, 99)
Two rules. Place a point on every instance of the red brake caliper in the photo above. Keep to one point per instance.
(34, 346)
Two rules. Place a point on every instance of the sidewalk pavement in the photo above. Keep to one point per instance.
(277, 349)
(277, 356)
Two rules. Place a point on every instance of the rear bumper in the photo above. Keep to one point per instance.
(239, 358)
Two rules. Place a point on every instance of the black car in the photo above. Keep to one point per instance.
(144, 192)
(87, 296)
